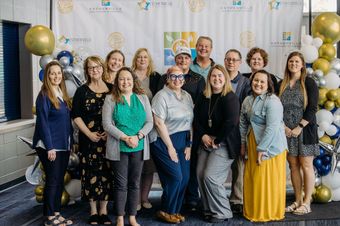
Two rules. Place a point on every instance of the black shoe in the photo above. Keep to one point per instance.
(237, 208)
(93, 219)
(192, 206)
(104, 219)
(217, 220)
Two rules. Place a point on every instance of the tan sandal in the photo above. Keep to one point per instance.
(292, 207)
(303, 209)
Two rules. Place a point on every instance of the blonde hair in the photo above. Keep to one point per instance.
(151, 66)
(97, 60)
(47, 87)
(205, 38)
(287, 77)
(227, 85)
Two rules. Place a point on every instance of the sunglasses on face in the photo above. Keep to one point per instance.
(173, 77)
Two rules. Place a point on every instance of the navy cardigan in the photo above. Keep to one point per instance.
(53, 126)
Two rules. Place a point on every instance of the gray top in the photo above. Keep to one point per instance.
(114, 134)
(176, 113)
(145, 83)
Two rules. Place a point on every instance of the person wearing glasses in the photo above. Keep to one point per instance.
(257, 59)
(142, 65)
(96, 175)
(216, 120)
(172, 109)
(202, 63)
(114, 61)
(127, 119)
(241, 87)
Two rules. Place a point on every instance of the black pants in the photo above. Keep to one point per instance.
(54, 184)
(127, 173)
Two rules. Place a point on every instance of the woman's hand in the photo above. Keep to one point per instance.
(94, 136)
(296, 131)
(173, 154)
(288, 132)
(187, 153)
(207, 141)
(133, 141)
(213, 145)
(51, 155)
(259, 157)
(103, 136)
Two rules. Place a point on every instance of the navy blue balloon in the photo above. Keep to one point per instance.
(67, 54)
(41, 75)
(337, 132)
(317, 162)
(325, 169)
(326, 159)
(322, 152)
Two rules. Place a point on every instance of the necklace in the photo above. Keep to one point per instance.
(212, 110)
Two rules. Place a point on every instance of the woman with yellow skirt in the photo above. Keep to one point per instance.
(264, 146)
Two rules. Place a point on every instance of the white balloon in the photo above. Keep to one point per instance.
(332, 80)
(332, 180)
(317, 42)
(324, 126)
(320, 133)
(309, 71)
(44, 60)
(335, 64)
(73, 188)
(336, 194)
(324, 116)
(310, 53)
(306, 40)
(332, 130)
(70, 88)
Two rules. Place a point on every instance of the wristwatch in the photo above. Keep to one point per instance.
(301, 125)
(140, 136)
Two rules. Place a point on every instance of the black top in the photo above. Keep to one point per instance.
(274, 79)
(194, 84)
(243, 87)
(154, 82)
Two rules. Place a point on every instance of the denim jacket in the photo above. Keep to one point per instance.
(264, 114)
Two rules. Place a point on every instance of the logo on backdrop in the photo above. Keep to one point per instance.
(286, 40)
(105, 6)
(144, 4)
(274, 4)
(287, 36)
(247, 39)
(237, 3)
(196, 5)
(148, 4)
(173, 40)
(278, 4)
(65, 6)
(106, 3)
(236, 6)
(116, 40)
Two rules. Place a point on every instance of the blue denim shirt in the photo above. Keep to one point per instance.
(265, 115)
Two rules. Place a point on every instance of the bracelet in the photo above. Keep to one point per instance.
(301, 125)
(189, 144)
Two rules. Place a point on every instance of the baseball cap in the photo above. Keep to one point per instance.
(183, 50)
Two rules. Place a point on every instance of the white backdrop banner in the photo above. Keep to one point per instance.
(98, 26)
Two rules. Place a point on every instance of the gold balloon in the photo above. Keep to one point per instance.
(321, 64)
(322, 96)
(34, 110)
(329, 105)
(327, 51)
(326, 139)
(67, 177)
(333, 94)
(41, 166)
(327, 27)
(65, 198)
(40, 40)
(39, 190)
(337, 103)
(323, 194)
(39, 198)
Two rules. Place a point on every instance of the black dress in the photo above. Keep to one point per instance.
(95, 171)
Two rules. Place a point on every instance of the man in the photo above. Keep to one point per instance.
(241, 87)
(194, 85)
(202, 63)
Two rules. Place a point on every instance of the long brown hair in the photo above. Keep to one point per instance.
(47, 87)
(227, 85)
(287, 77)
(117, 95)
(106, 76)
(151, 66)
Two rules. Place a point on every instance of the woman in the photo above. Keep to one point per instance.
(257, 59)
(216, 118)
(299, 96)
(264, 142)
(96, 174)
(173, 115)
(143, 67)
(114, 61)
(51, 139)
(127, 144)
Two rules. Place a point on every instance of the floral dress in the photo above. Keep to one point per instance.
(95, 171)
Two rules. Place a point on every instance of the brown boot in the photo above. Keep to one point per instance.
(169, 218)
(180, 217)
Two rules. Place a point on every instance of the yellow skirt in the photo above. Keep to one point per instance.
(264, 186)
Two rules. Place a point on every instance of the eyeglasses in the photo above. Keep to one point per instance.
(173, 77)
(231, 59)
(94, 67)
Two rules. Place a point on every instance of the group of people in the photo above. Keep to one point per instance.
(192, 125)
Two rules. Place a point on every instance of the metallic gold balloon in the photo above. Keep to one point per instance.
(322, 96)
(337, 103)
(34, 111)
(41, 166)
(39, 198)
(327, 51)
(329, 105)
(65, 198)
(67, 177)
(323, 194)
(327, 27)
(333, 94)
(40, 40)
(321, 64)
(326, 139)
(39, 190)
